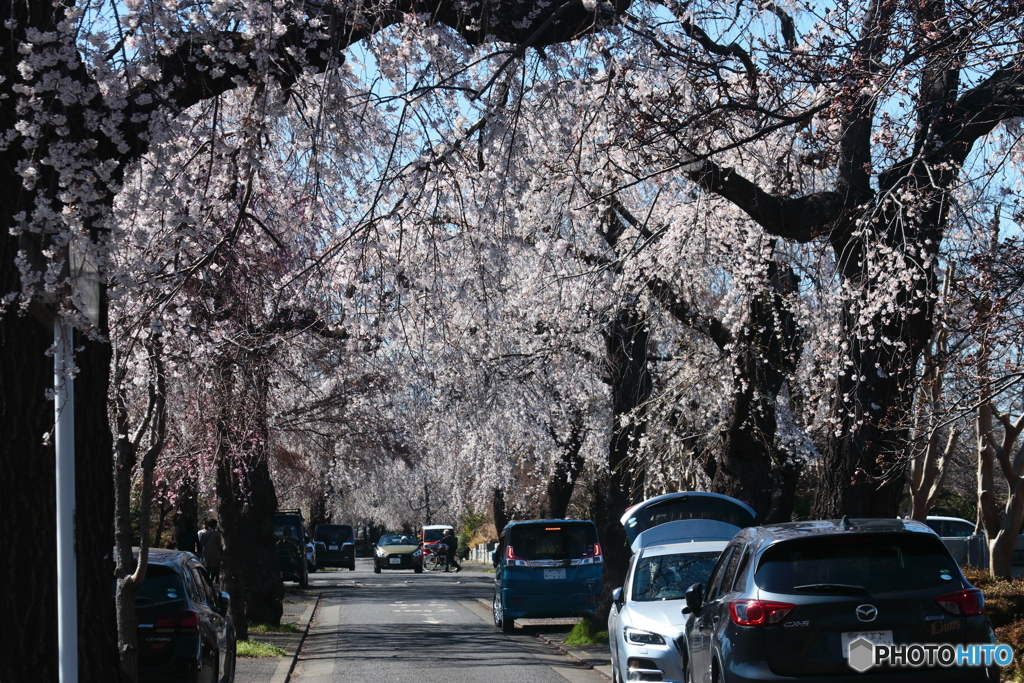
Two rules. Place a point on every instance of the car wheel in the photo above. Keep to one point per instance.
(208, 672)
(418, 569)
(376, 568)
(352, 567)
(311, 568)
(500, 620)
(304, 579)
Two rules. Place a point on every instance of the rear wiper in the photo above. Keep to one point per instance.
(832, 587)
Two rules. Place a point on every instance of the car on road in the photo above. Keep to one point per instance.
(546, 568)
(290, 540)
(185, 633)
(339, 545)
(950, 527)
(430, 537)
(398, 551)
(785, 602)
(676, 539)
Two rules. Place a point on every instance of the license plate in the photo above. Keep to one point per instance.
(332, 547)
(876, 637)
(554, 574)
(395, 560)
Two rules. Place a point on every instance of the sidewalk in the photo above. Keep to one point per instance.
(299, 606)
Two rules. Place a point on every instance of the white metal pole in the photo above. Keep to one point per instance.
(64, 439)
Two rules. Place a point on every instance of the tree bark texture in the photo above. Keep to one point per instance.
(626, 341)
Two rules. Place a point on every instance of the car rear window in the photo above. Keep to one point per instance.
(432, 535)
(553, 541)
(333, 534)
(288, 529)
(666, 577)
(843, 563)
(160, 585)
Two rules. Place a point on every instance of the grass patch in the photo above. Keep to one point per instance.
(283, 627)
(583, 633)
(1004, 604)
(254, 648)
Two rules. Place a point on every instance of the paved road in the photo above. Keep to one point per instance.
(400, 627)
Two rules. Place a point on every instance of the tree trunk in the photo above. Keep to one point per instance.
(562, 481)
(499, 510)
(623, 484)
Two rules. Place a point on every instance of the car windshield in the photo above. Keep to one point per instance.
(557, 541)
(397, 539)
(161, 584)
(666, 577)
(432, 535)
(333, 534)
(862, 563)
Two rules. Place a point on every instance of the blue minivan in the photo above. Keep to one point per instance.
(546, 568)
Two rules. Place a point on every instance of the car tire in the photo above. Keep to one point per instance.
(418, 569)
(310, 568)
(304, 579)
(500, 620)
(376, 568)
(352, 567)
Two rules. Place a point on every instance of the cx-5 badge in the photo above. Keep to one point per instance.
(867, 612)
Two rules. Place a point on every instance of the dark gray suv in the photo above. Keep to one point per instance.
(786, 603)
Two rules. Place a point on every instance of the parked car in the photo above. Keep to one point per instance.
(676, 543)
(398, 551)
(950, 527)
(311, 554)
(291, 553)
(546, 568)
(785, 602)
(339, 545)
(185, 630)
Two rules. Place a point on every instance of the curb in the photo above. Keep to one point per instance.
(287, 663)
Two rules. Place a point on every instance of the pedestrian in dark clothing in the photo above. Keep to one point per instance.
(210, 548)
(452, 545)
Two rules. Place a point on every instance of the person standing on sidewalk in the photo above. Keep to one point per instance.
(451, 545)
(210, 548)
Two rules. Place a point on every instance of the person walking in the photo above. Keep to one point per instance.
(210, 549)
(451, 545)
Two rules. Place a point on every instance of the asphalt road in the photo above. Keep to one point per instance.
(401, 627)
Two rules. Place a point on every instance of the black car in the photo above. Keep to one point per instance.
(786, 602)
(291, 546)
(185, 630)
(339, 545)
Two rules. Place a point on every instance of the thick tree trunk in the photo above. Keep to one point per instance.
(562, 481)
(749, 465)
(623, 484)
(498, 509)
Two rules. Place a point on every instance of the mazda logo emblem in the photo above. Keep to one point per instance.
(867, 612)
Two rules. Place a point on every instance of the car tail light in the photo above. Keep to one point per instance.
(510, 555)
(758, 612)
(968, 602)
(592, 556)
(185, 621)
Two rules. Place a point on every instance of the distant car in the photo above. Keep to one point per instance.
(546, 568)
(291, 553)
(339, 545)
(185, 630)
(676, 539)
(785, 602)
(310, 549)
(398, 551)
(950, 527)
(430, 537)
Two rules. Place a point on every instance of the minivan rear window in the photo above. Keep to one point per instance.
(856, 563)
(554, 541)
(333, 534)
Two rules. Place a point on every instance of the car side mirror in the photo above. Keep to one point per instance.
(617, 595)
(694, 599)
(223, 603)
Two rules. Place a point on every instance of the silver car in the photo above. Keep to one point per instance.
(647, 619)
(676, 540)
